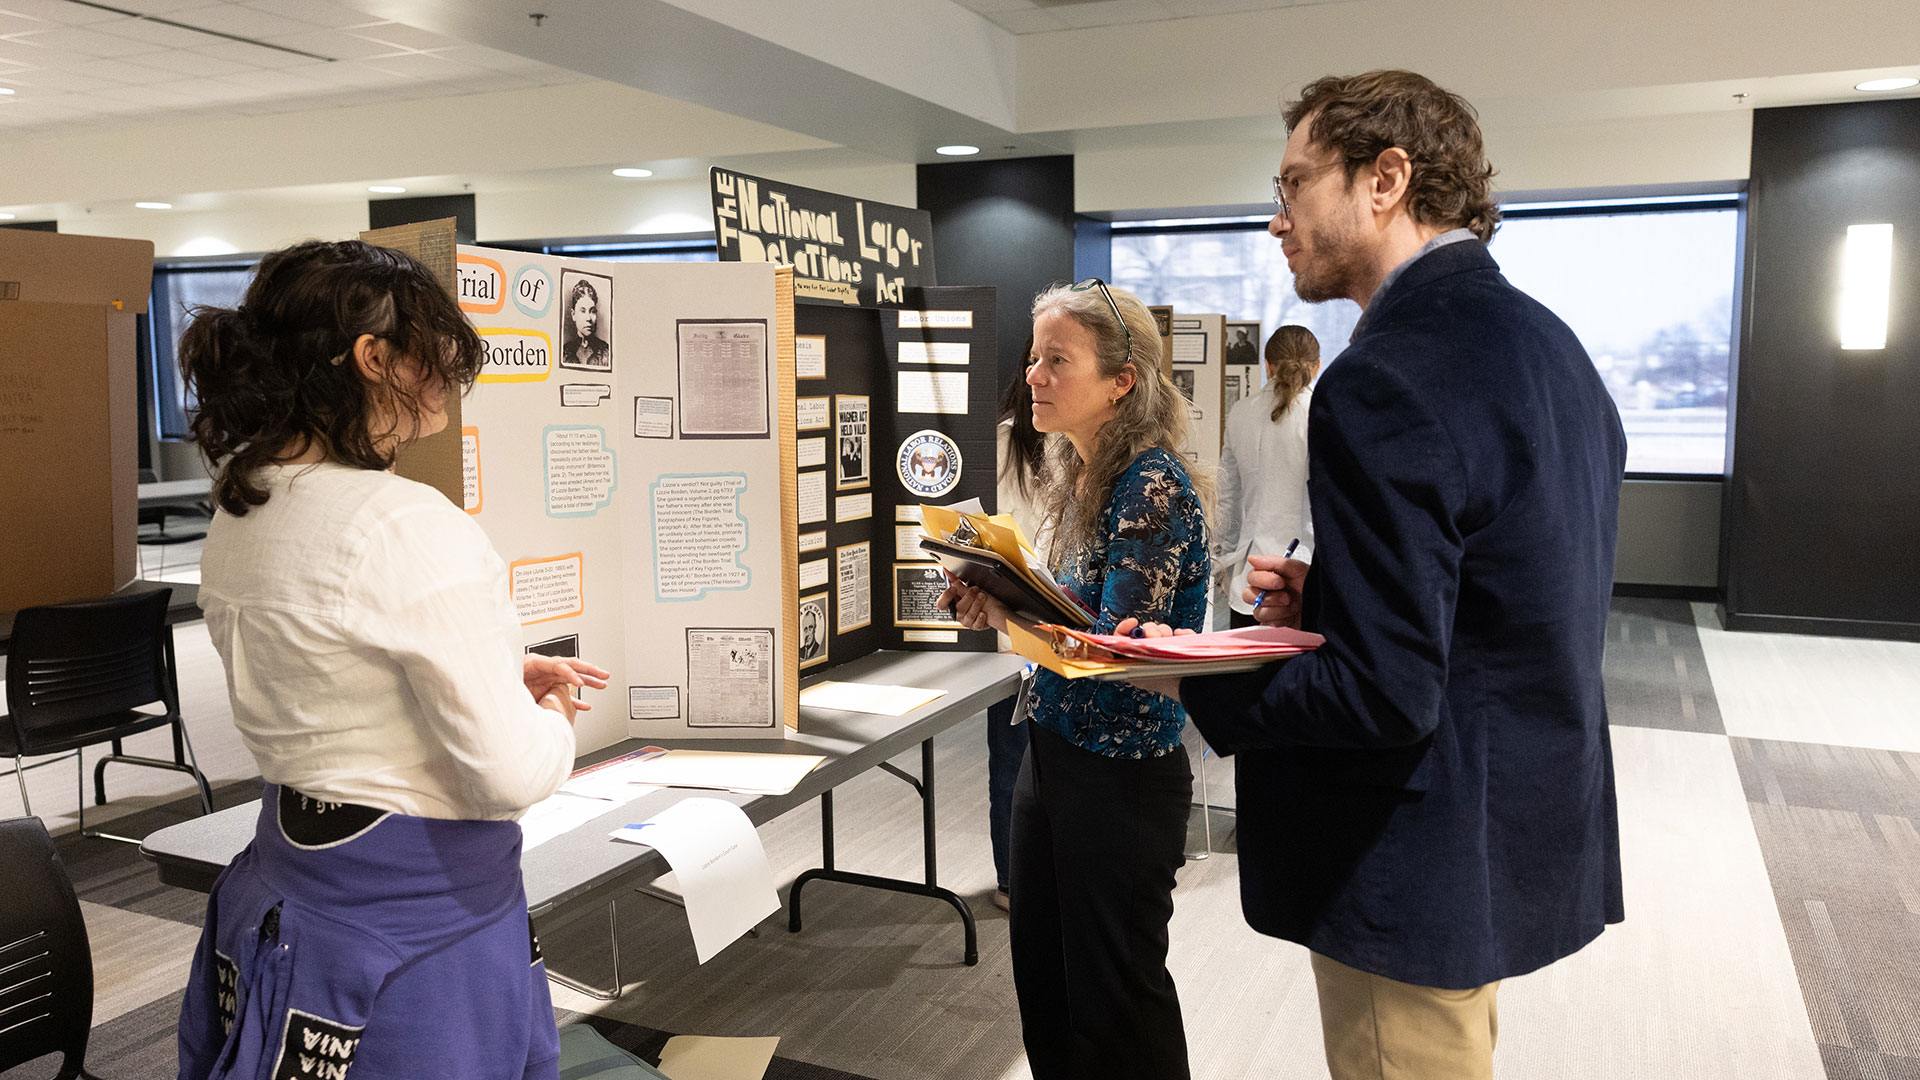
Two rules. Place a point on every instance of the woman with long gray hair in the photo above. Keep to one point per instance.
(1100, 807)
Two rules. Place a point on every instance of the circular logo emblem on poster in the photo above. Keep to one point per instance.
(532, 291)
(929, 464)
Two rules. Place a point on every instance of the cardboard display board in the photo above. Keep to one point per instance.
(1198, 373)
(69, 426)
(623, 451)
(434, 460)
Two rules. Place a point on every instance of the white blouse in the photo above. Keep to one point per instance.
(372, 651)
(1263, 486)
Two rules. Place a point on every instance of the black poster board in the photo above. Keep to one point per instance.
(846, 251)
(907, 459)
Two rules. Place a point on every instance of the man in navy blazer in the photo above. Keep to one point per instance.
(1427, 801)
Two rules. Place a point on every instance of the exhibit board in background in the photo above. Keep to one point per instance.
(69, 420)
(1163, 318)
(622, 449)
(1244, 372)
(1198, 373)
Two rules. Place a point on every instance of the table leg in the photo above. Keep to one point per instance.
(613, 947)
(923, 784)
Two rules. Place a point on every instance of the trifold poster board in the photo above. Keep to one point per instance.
(69, 426)
(1198, 373)
(622, 449)
(894, 400)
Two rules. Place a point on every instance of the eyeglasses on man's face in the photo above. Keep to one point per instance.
(1094, 282)
(1287, 185)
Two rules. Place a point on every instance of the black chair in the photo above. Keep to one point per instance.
(77, 674)
(46, 965)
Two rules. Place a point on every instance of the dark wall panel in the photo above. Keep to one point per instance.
(386, 213)
(1008, 224)
(1823, 509)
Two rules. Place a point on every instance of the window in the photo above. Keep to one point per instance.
(177, 289)
(1646, 284)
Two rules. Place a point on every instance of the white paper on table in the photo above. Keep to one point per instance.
(719, 865)
(706, 1057)
(726, 770)
(562, 813)
(879, 700)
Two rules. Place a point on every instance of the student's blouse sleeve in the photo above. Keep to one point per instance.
(443, 612)
(1157, 530)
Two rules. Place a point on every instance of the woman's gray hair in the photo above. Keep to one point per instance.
(1152, 413)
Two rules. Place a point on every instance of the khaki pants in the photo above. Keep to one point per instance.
(1379, 1029)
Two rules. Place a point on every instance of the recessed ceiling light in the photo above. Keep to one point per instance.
(1898, 82)
(386, 189)
(633, 174)
(957, 150)
(6, 217)
(5, 90)
(154, 205)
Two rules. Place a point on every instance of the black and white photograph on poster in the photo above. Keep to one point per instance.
(853, 578)
(916, 591)
(586, 321)
(1243, 343)
(1183, 381)
(730, 674)
(568, 646)
(928, 463)
(723, 379)
(856, 447)
(813, 630)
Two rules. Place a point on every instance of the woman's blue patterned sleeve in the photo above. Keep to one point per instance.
(1157, 531)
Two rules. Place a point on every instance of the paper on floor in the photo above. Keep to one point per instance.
(867, 697)
(719, 864)
(705, 1057)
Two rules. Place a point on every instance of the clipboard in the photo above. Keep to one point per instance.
(988, 570)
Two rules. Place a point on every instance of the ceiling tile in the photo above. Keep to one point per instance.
(52, 79)
(989, 7)
(188, 62)
(85, 42)
(424, 66)
(334, 44)
(121, 72)
(1111, 12)
(1027, 22)
(58, 12)
(404, 36)
(243, 21)
(251, 55)
(154, 33)
(153, 97)
(151, 7)
(317, 12)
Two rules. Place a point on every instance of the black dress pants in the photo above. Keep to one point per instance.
(1096, 841)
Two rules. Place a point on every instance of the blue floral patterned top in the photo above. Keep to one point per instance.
(1151, 563)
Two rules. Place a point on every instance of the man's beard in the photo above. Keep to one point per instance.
(1333, 268)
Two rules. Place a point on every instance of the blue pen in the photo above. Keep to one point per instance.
(1261, 596)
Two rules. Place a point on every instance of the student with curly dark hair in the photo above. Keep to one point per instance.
(374, 664)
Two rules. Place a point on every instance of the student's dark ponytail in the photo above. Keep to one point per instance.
(276, 375)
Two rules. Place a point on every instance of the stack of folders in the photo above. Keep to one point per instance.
(1076, 654)
(988, 551)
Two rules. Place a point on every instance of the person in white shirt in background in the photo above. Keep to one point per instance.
(1263, 468)
(375, 665)
(1021, 453)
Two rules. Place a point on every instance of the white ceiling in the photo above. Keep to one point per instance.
(1043, 16)
(71, 64)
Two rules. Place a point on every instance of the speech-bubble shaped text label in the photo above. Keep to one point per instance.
(699, 535)
(580, 472)
(533, 291)
(548, 589)
(482, 284)
(515, 355)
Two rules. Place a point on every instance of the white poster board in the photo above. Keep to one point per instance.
(1197, 371)
(622, 452)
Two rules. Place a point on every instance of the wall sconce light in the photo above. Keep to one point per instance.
(1866, 285)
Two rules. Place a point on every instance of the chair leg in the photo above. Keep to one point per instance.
(20, 774)
(193, 763)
